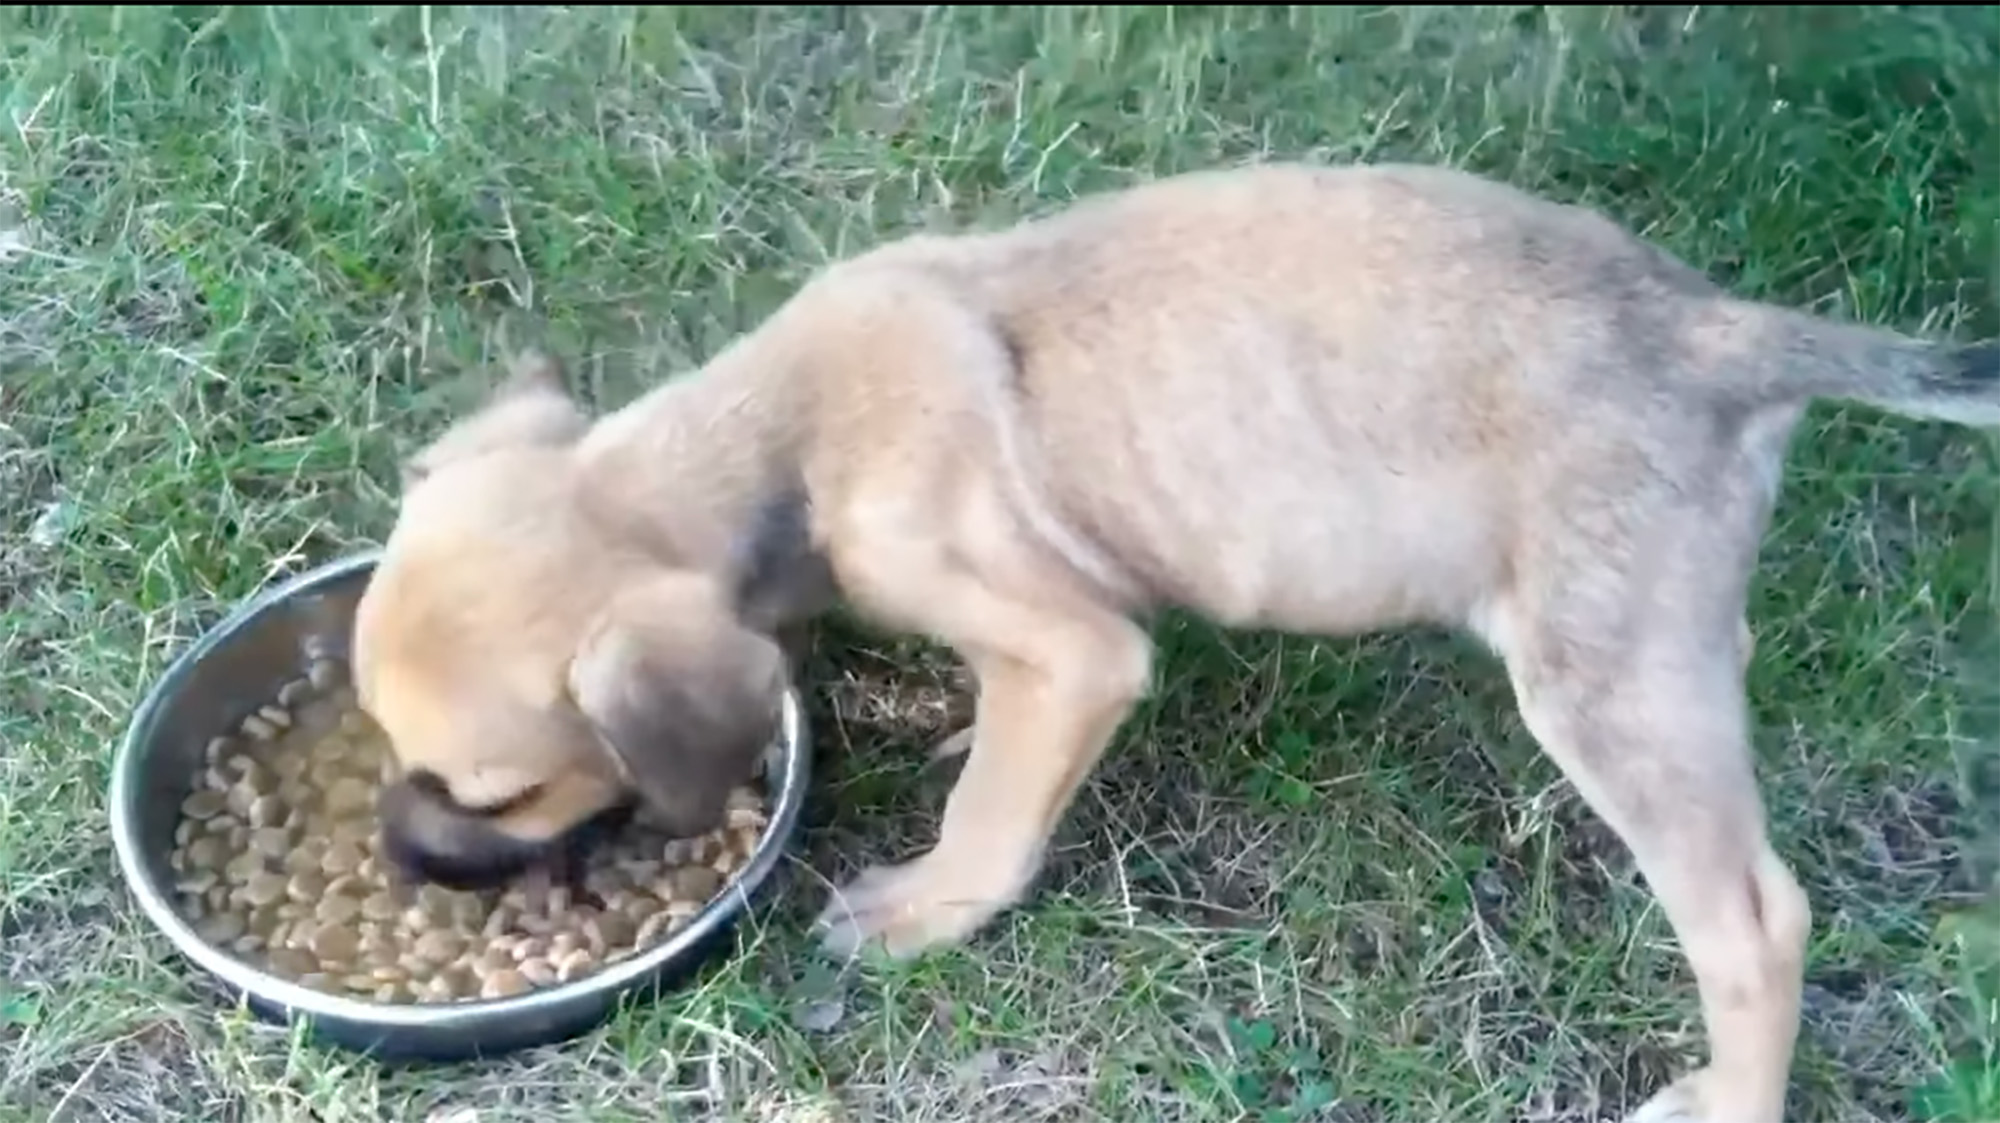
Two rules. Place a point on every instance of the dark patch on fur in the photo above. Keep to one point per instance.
(1017, 354)
(782, 576)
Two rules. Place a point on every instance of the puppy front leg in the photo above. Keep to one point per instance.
(1055, 684)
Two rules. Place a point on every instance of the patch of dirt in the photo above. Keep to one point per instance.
(1907, 843)
(144, 1076)
(908, 695)
(46, 942)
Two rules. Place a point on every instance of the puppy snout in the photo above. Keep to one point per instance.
(428, 841)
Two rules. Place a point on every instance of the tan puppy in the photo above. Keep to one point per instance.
(1315, 400)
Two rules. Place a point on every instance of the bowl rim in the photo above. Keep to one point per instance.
(692, 941)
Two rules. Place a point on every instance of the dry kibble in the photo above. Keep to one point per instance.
(204, 853)
(333, 942)
(271, 843)
(342, 857)
(573, 965)
(654, 927)
(438, 945)
(204, 804)
(610, 930)
(693, 883)
(503, 983)
(291, 962)
(221, 928)
(263, 889)
(324, 675)
(266, 810)
(307, 855)
(499, 921)
(243, 867)
(350, 795)
(338, 908)
(275, 859)
(380, 905)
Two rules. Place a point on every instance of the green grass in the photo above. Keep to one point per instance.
(250, 256)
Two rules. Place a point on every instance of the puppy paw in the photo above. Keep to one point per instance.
(906, 909)
(1699, 1097)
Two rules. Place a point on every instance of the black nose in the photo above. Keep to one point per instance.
(429, 839)
(471, 856)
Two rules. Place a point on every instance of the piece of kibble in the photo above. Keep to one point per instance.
(204, 804)
(503, 983)
(573, 966)
(243, 867)
(438, 945)
(267, 810)
(348, 796)
(291, 962)
(263, 889)
(258, 728)
(278, 716)
(220, 928)
(342, 857)
(338, 908)
(324, 674)
(333, 942)
(693, 883)
(653, 928)
(306, 886)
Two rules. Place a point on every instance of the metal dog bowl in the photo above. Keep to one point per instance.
(239, 665)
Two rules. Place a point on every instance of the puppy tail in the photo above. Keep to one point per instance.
(1801, 356)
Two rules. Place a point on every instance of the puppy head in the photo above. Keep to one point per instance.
(536, 674)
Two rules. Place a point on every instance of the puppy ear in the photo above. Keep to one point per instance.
(683, 695)
(778, 575)
(530, 407)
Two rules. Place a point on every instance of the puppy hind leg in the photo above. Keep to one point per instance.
(1661, 753)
